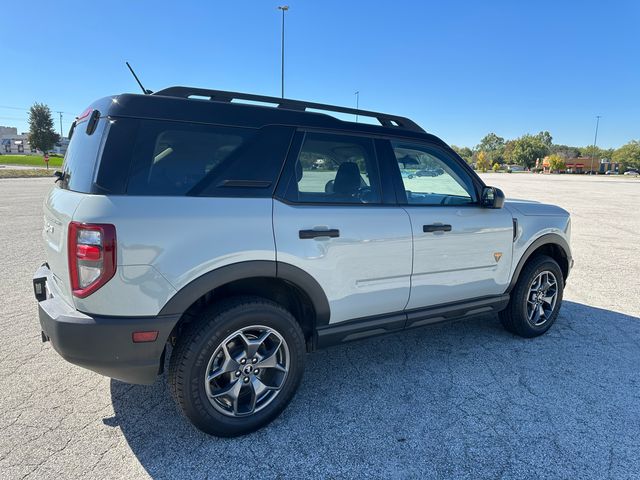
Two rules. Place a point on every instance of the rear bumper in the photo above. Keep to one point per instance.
(101, 344)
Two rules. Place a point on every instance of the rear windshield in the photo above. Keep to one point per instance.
(80, 159)
(154, 157)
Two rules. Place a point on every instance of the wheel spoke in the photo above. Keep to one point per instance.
(253, 345)
(228, 365)
(537, 283)
(548, 300)
(257, 390)
(534, 317)
(271, 360)
(232, 391)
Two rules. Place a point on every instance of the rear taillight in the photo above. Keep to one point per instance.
(92, 256)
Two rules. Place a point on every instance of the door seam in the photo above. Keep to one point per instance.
(412, 259)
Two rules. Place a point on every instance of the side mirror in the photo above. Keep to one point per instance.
(492, 197)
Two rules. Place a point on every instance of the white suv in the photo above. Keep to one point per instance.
(236, 237)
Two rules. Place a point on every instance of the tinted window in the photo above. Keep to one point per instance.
(431, 178)
(335, 169)
(176, 159)
(80, 158)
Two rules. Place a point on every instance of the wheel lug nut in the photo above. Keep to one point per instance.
(238, 373)
(256, 371)
(246, 379)
(255, 360)
(243, 361)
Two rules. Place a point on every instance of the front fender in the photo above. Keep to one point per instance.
(558, 240)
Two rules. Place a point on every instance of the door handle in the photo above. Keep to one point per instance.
(436, 227)
(307, 234)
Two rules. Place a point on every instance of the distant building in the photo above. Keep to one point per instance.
(60, 147)
(8, 131)
(12, 143)
(582, 165)
(607, 165)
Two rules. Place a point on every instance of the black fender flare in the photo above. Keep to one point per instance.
(546, 239)
(187, 295)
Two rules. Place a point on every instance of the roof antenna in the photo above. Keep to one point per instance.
(144, 90)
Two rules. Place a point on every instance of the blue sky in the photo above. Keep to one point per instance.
(460, 69)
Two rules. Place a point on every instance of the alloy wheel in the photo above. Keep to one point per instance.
(541, 299)
(247, 371)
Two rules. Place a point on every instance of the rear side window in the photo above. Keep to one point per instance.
(82, 154)
(178, 159)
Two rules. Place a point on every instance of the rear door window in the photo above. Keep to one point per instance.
(177, 159)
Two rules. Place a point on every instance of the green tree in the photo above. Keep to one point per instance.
(546, 138)
(493, 146)
(42, 136)
(556, 162)
(465, 152)
(565, 151)
(496, 167)
(596, 152)
(482, 162)
(628, 155)
(526, 150)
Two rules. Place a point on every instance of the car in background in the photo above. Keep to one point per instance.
(611, 172)
(429, 172)
(632, 173)
(406, 174)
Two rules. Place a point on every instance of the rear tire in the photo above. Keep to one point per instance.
(236, 368)
(536, 298)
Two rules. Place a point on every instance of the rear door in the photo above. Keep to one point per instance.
(461, 250)
(335, 219)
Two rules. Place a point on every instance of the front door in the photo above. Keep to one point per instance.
(333, 221)
(462, 251)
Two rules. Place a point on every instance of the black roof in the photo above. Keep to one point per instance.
(218, 107)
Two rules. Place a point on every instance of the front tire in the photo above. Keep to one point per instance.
(536, 298)
(236, 368)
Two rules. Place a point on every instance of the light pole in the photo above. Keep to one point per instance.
(284, 8)
(595, 142)
(61, 134)
(357, 94)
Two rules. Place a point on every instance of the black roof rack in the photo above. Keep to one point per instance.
(386, 120)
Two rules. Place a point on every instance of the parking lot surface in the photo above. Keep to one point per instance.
(460, 400)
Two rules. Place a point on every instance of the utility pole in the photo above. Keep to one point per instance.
(595, 142)
(61, 134)
(284, 8)
(357, 94)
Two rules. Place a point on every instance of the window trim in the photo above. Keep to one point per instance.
(288, 173)
(445, 156)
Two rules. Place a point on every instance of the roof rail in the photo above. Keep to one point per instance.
(385, 119)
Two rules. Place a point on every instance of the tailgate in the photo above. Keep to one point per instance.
(59, 207)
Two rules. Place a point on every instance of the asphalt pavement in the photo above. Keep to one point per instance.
(460, 400)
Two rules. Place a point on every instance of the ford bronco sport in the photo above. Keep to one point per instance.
(237, 232)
